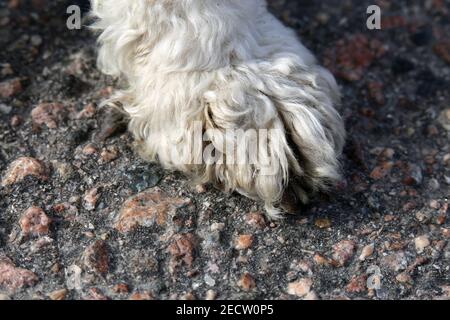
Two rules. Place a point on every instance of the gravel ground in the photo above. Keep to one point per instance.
(82, 217)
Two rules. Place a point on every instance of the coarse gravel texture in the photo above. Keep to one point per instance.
(82, 217)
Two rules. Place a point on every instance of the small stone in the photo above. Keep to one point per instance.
(200, 188)
(90, 199)
(311, 296)
(321, 260)
(322, 223)
(446, 159)
(15, 121)
(74, 199)
(395, 261)
(303, 266)
(6, 70)
(367, 251)
(40, 243)
(87, 112)
(95, 294)
(409, 206)
(13, 4)
(414, 176)
(182, 251)
(121, 288)
(4, 21)
(433, 184)
(10, 88)
(430, 157)
(246, 282)
(36, 40)
(22, 167)
(376, 92)
(58, 294)
(255, 219)
(188, 296)
(404, 277)
(446, 233)
(209, 280)
(13, 278)
(77, 64)
(382, 170)
(441, 219)
(47, 113)
(109, 154)
(432, 131)
(4, 297)
(421, 243)
(137, 296)
(395, 246)
(112, 122)
(106, 91)
(55, 268)
(34, 221)
(387, 153)
(343, 251)
(96, 258)
(213, 267)
(357, 284)
(434, 204)
(89, 149)
(445, 292)
(323, 17)
(444, 119)
(216, 226)
(243, 242)
(73, 277)
(148, 208)
(300, 288)
(423, 217)
(142, 178)
(64, 170)
(420, 261)
(5, 109)
(210, 295)
(367, 112)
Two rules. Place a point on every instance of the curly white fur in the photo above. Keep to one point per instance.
(228, 64)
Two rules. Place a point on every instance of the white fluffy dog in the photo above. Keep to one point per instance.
(223, 64)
